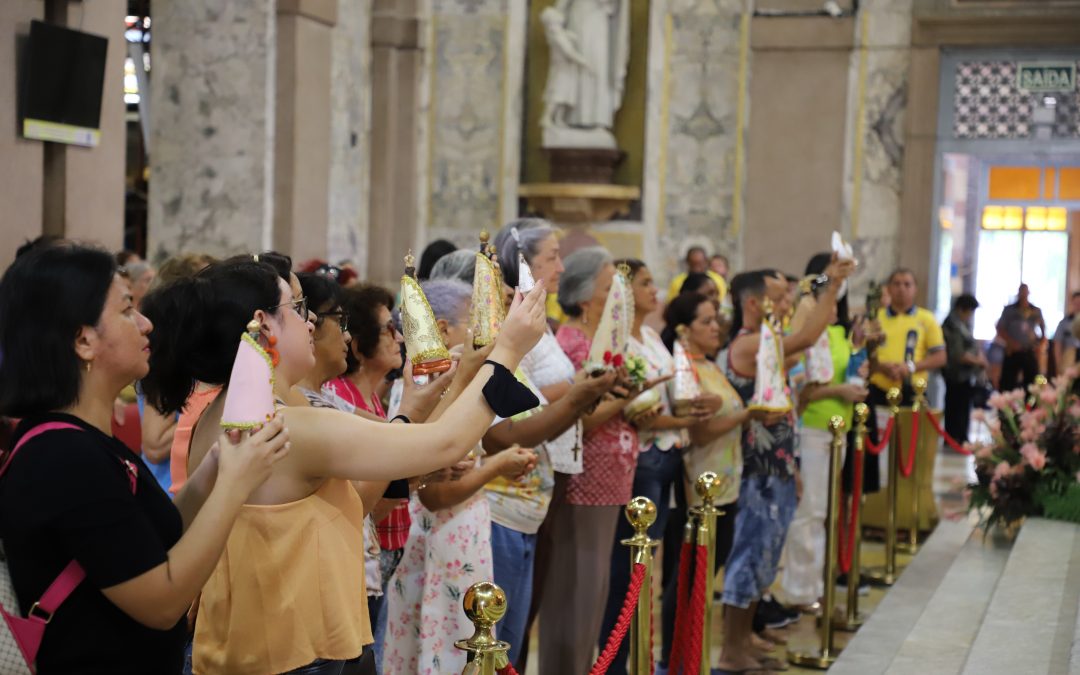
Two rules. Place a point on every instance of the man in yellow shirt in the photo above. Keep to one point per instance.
(913, 344)
(697, 261)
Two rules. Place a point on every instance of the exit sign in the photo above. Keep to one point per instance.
(1046, 75)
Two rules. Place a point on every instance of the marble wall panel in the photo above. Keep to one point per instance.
(691, 130)
(470, 118)
(877, 93)
(350, 135)
(211, 148)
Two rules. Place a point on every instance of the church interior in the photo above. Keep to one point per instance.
(937, 140)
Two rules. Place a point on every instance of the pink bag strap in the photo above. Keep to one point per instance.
(31, 435)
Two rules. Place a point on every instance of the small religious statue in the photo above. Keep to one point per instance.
(589, 46)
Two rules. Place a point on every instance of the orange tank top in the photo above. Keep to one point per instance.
(196, 405)
(289, 588)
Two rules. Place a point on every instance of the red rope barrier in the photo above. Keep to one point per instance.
(884, 442)
(678, 643)
(949, 440)
(847, 551)
(508, 670)
(698, 607)
(637, 579)
(908, 466)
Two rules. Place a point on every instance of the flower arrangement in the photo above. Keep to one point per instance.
(1031, 467)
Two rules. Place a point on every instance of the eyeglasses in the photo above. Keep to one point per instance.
(299, 306)
(390, 328)
(342, 319)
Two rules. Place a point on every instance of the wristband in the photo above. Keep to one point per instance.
(403, 418)
(505, 395)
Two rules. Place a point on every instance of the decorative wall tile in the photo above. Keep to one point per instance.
(988, 104)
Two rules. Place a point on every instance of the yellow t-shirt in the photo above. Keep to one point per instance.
(680, 278)
(911, 335)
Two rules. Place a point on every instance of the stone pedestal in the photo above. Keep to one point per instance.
(583, 165)
(578, 203)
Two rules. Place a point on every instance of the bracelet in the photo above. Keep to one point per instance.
(404, 418)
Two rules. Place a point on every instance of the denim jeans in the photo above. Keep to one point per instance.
(656, 475)
(513, 554)
(766, 507)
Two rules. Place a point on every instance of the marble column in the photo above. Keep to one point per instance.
(693, 129)
(212, 122)
(350, 135)
(470, 116)
(877, 99)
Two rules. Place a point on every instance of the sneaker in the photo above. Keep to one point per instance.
(841, 585)
(774, 615)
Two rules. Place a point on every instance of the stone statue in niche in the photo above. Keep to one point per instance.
(589, 46)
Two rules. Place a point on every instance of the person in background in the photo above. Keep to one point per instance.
(964, 363)
(343, 275)
(1066, 346)
(459, 265)
(913, 344)
(1023, 329)
(697, 261)
(141, 275)
(125, 257)
(719, 264)
(702, 283)
(431, 255)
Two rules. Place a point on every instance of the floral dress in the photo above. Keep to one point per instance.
(447, 552)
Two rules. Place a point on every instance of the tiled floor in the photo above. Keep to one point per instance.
(951, 475)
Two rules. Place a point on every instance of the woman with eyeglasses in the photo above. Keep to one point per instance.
(288, 593)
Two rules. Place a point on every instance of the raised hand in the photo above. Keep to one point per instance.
(525, 323)
(245, 459)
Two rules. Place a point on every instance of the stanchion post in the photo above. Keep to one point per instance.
(852, 619)
(484, 604)
(912, 547)
(641, 513)
(826, 655)
(708, 487)
(886, 575)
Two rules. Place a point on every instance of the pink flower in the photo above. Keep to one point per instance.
(1048, 396)
(1073, 371)
(1001, 470)
(1035, 457)
(998, 401)
(1074, 410)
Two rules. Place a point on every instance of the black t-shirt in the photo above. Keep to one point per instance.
(68, 495)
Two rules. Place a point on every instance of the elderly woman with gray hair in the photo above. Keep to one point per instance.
(583, 528)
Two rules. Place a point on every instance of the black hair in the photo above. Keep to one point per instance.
(899, 271)
(323, 293)
(680, 312)
(694, 281)
(431, 255)
(198, 322)
(279, 262)
(695, 249)
(634, 264)
(47, 295)
(38, 242)
(965, 302)
(362, 304)
(743, 287)
(817, 265)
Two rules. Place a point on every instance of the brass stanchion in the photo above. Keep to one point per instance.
(886, 575)
(708, 487)
(641, 513)
(912, 546)
(485, 605)
(852, 619)
(825, 656)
